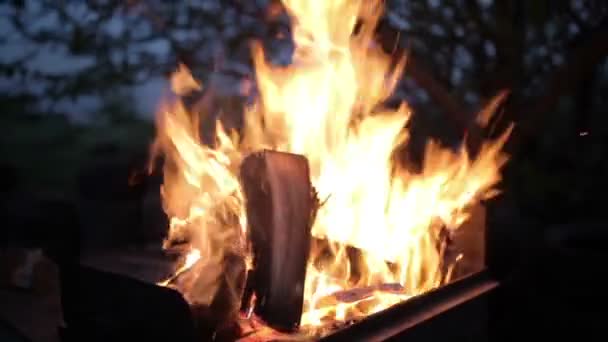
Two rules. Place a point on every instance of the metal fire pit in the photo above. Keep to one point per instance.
(100, 306)
(105, 306)
(458, 311)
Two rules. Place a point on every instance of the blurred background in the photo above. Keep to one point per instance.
(80, 82)
(81, 77)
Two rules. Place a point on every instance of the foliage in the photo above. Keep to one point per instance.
(48, 150)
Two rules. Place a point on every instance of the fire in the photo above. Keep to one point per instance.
(327, 106)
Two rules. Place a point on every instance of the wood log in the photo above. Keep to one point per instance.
(280, 205)
(220, 316)
(358, 294)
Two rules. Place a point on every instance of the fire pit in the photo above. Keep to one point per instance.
(304, 225)
(458, 311)
(100, 306)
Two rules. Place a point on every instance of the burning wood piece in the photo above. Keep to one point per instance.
(361, 299)
(457, 310)
(280, 209)
(354, 295)
(221, 314)
(255, 330)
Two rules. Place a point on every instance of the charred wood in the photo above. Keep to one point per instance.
(280, 208)
(220, 316)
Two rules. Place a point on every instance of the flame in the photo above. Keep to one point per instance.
(201, 194)
(191, 258)
(327, 106)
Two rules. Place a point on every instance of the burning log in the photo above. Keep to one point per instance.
(455, 311)
(354, 301)
(361, 293)
(280, 209)
(219, 317)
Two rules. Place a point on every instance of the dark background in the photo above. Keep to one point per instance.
(80, 81)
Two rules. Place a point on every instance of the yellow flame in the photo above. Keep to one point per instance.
(327, 106)
(182, 81)
(201, 194)
(191, 258)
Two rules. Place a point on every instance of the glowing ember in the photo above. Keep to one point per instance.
(191, 258)
(327, 106)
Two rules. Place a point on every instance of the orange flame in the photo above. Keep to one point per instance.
(327, 106)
